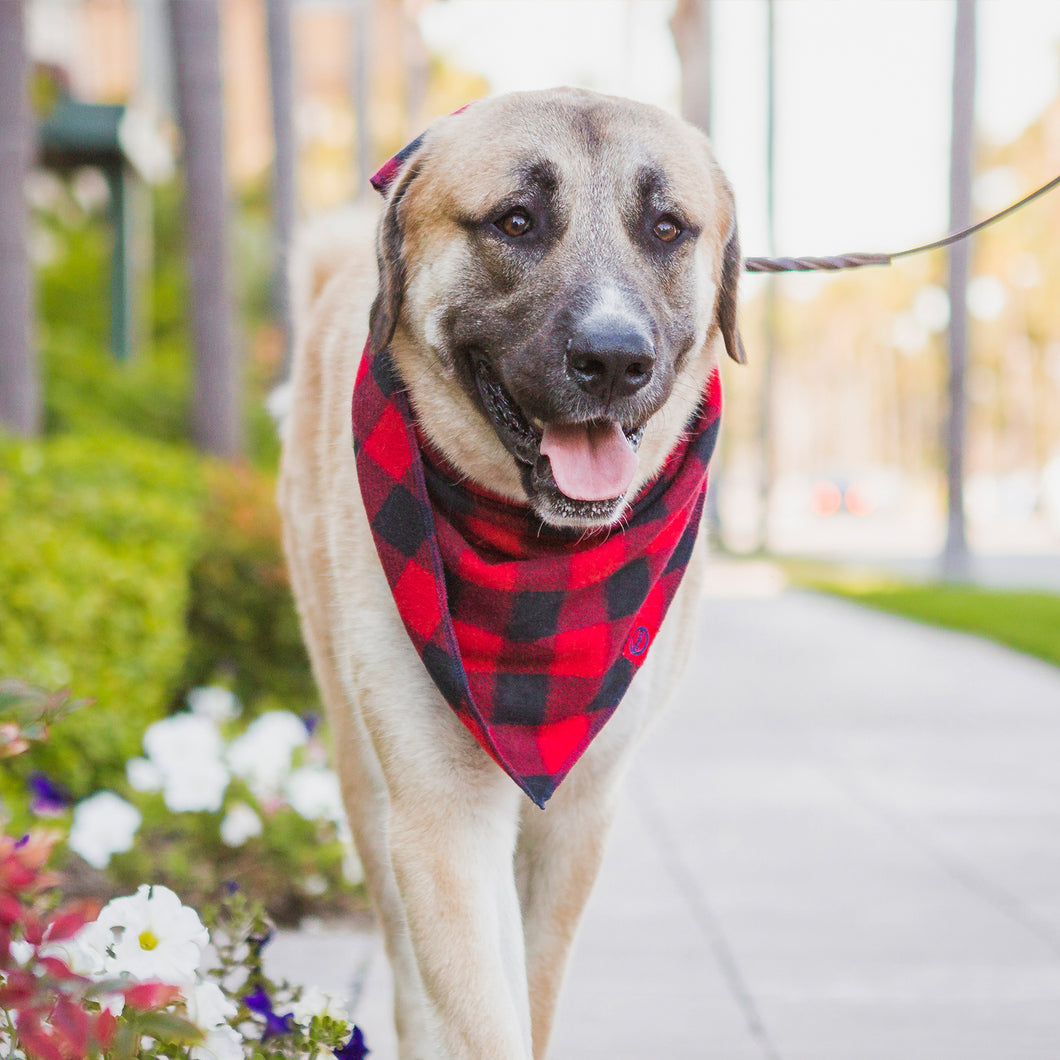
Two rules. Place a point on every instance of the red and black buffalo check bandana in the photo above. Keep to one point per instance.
(532, 633)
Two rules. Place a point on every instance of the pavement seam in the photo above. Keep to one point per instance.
(687, 884)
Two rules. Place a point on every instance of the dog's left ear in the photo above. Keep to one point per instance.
(731, 267)
(400, 173)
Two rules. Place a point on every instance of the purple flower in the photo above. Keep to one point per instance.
(50, 798)
(311, 721)
(259, 1003)
(354, 1049)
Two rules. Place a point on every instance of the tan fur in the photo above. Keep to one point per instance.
(478, 950)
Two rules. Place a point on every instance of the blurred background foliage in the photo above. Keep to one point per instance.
(135, 568)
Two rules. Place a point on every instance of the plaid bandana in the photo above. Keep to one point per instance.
(531, 633)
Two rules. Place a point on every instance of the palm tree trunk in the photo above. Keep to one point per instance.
(767, 427)
(690, 26)
(216, 419)
(20, 401)
(955, 560)
(362, 31)
(281, 84)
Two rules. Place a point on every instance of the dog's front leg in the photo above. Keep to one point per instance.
(452, 833)
(559, 855)
(558, 858)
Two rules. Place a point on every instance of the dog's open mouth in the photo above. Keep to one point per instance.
(590, 464)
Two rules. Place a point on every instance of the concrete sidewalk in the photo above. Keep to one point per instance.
(842, 844)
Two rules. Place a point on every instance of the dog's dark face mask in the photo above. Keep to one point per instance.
(566, 276)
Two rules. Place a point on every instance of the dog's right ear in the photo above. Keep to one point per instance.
(731, 267)
(383, 317)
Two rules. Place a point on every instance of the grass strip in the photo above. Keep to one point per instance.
(1028, 621)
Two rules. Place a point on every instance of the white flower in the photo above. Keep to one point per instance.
(207, 1006)
(199, 786)
(143, 775)
(239, 824)
(216, 704)
(222, 1043)
(175, 741)
(21, 951)
(314, 793)
(150, 935)
(104, 824)
(187, 751)
(262, 755)
(82, 954)
(314, 1002)
(8, 1050)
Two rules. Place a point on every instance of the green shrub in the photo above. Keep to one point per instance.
(242, 624)
(99, 533)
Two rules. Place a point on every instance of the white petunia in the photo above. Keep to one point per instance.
(222, 1043)
(82, 953)
(207, 1006)
(20, 951)
(104, 824)
(150, 935)
(314, 793)
(178, 740)
(8, 1050)
(217, 704)
(197, 787)
(187, 751)
(239, 825)
(143, 775)
(262, 755)
(315, 1002)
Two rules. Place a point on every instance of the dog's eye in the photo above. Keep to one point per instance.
(666, 229)
(515, 223)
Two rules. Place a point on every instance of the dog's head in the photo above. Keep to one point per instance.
(556, 271)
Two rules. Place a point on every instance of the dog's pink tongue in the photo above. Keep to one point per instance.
(590, 462)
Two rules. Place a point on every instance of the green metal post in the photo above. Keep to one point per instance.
(119, 180)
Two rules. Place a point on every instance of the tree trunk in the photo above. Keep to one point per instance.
(195, 28)
(281, 84)
(362, 31)
(767, 426)
(955, 563)
(20, 401)
(690, 25)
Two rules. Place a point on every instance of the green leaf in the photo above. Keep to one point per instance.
(169, 1028)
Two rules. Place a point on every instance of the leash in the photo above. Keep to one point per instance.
(857, 261)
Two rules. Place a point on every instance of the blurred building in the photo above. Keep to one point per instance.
(117, 51)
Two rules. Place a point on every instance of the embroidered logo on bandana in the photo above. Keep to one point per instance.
(531, 633)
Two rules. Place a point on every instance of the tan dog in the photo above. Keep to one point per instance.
(557, 272)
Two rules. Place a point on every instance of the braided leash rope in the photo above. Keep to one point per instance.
(857, 261)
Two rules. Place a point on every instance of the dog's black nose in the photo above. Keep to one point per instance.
(611, 360)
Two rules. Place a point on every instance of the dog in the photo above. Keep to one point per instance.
(556, 280)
